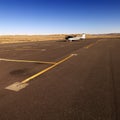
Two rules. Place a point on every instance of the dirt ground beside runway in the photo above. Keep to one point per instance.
(32, 38)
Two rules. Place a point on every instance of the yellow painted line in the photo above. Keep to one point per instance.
(92, 44)
(89, 45)
(28, 61)
(21, 49)
(47, 69)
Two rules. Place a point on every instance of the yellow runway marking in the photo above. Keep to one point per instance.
(47, 69)
(92, 44)
(25, 49)
(17, 86)
(21, 49)
(89, 45)
(28, 61)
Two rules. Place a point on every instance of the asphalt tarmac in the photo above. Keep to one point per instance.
(63, 80)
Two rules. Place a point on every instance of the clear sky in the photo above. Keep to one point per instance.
(59, 16)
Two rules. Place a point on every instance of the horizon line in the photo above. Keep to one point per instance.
(57, 34)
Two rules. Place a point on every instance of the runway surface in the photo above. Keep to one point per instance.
(60, 80)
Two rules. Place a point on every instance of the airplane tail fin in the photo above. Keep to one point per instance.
(83, 36)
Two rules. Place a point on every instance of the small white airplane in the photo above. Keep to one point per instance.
(71, 38)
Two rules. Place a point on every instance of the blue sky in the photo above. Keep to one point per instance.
(59, 16)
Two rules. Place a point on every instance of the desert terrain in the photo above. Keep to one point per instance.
(32, 38)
